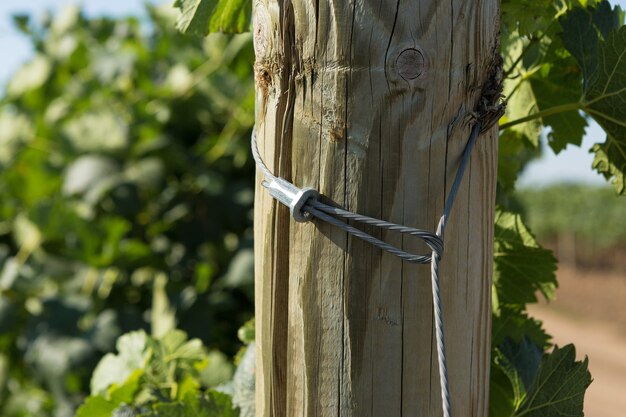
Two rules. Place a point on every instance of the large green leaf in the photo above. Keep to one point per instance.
(595, 39)
(546, 82)
(201, 17)
(559, 387)
(521, 266)
(557, 83)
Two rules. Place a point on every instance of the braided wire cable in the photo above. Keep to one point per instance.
(434, 274)
(439, 336)
(305, 204)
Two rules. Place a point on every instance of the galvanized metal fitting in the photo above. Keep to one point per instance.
(293, 197)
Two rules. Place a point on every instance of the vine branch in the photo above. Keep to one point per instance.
(545, 113)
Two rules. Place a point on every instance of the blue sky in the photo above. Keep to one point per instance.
(573, 164)
(15, 50)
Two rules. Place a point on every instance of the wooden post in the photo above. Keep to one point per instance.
(370, 102)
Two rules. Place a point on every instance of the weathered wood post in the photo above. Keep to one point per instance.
(371, 103)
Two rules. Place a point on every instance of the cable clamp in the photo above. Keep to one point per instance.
(293, 197)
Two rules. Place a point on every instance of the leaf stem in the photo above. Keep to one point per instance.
(545, 113)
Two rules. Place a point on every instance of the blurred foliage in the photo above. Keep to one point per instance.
(125, 198)
(166, 376)
(593, 214)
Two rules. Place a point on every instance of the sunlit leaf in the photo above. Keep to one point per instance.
(87, 172)
(133, 353)
(598, 44)
(200, 17)
(106, 130)
(33, 75)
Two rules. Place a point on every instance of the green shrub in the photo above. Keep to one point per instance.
(125, 199)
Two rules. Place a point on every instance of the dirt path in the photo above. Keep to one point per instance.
(590, 312)
(605, 346)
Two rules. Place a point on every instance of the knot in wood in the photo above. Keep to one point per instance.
(410, 64)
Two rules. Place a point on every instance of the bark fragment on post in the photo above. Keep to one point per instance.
(371, 104)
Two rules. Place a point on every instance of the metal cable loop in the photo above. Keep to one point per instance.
(285, 192)
(418, 259)
(304, 204)
(431, 239)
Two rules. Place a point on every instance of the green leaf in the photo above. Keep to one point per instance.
(231, 16)
(595, 39)
(513, 381)
(501, 395)
(520, 103)
(544, 90)
(31, 76)
(15, 131)
(514, 152)
(178, 347)
(512, 323)
(515, 366)
(26, 233)
(610, 161)
(521, 266)
(246, 333)
(125, 392)
(188, 386)
(96, 407)
(559, 388)
(194, 16)
(98, 131)
(527, 16)
(220, 405)
(107, 406)
(522, 357)
(556, 84)
(201, 17)
(134, 351)
(218, 369)
(87, 173)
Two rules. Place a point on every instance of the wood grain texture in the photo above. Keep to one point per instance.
(371, 103)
